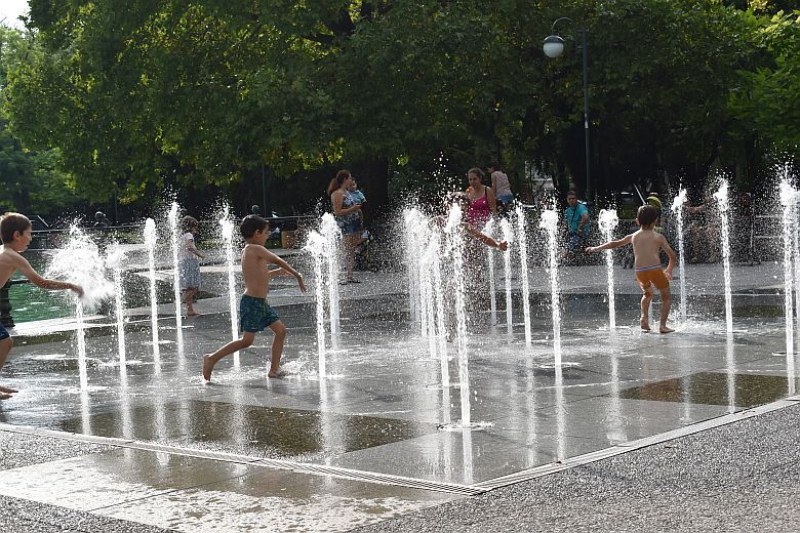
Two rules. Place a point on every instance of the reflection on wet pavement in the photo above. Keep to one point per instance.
(713, 388)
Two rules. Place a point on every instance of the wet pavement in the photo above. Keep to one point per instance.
(378, 437)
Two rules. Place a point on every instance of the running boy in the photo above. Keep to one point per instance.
(255, 314)
(647, 245)
(15, 230)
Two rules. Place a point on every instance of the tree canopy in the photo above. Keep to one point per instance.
(141, 95)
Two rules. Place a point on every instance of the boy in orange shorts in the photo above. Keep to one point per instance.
(647, 245)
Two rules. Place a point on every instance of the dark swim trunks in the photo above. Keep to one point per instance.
(3, 333)
(255, 314)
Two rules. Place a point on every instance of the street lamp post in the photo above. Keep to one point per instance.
(553, 47)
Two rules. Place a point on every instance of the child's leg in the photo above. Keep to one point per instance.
(209, 360)
(644, 318)
(280, 331)
(188, 299)
(666, 303)
(5, 347)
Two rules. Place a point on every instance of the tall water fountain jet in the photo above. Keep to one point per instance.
(316, 245)
(788, 197)
(441, 326)
(522, 248)
(226, 225)
(508, 236)
(413, 220)
(150, 239)
(489, 229)
(721, 196)
(677, 209)
(79, 262)
(114, 259)
(455, 241)
(608, 221)
(332, 234)
(549, 222)
(175, 231)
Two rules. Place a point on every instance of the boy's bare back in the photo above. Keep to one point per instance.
(11, 261)
(647, 245)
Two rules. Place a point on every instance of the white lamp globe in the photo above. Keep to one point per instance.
(553, 46)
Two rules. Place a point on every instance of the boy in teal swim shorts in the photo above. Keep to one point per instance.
(255, 314)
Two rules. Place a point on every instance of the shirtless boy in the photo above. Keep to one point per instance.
(255, 314)
(15, 230)
(647, 244)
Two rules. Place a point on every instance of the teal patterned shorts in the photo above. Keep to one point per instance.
(255, 314)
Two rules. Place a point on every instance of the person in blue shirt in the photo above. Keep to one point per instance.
(576, 216)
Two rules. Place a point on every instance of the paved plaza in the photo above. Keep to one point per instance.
(633, 431)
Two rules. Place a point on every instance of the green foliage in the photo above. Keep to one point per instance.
(768, 95)
(148, 94)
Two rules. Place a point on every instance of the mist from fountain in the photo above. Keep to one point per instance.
(723, 206)
(549, 222)
(522, 248)
(226, 226)
(608, 221)
(114, 259)
(677, 208)
(80, 262)
(150, 239)
(455, 242)
(489, 229)
(788, 197)
(332, 235)
(315, 244)
(508, 236)
(175, 233)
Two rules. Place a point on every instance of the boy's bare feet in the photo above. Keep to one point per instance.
(208, 366)
(193, 313)
(665, 329)
(5, 396)
(7, 390)
(644, 323)
(279, 374)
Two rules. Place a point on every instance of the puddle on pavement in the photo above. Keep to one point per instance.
(262, 431)
(712, 388)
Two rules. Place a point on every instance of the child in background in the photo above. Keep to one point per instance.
(647, 245)
(189, 264)
(255, 314)
(15, 230)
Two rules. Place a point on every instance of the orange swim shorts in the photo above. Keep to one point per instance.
(654, 275)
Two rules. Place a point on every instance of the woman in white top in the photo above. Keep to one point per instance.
(501, 185)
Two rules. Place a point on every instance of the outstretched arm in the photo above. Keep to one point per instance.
(485, 239)
(611, 244)
(27, 270)
(275, 260)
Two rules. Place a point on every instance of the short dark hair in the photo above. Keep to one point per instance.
(647, 215)
(571, 193)
(10, 223)
(188, 222)
(251, 224)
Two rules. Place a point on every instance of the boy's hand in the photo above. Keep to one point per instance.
(668, 273)
(502, 245)
(301, 283)
(591, 249)
(77, 288)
